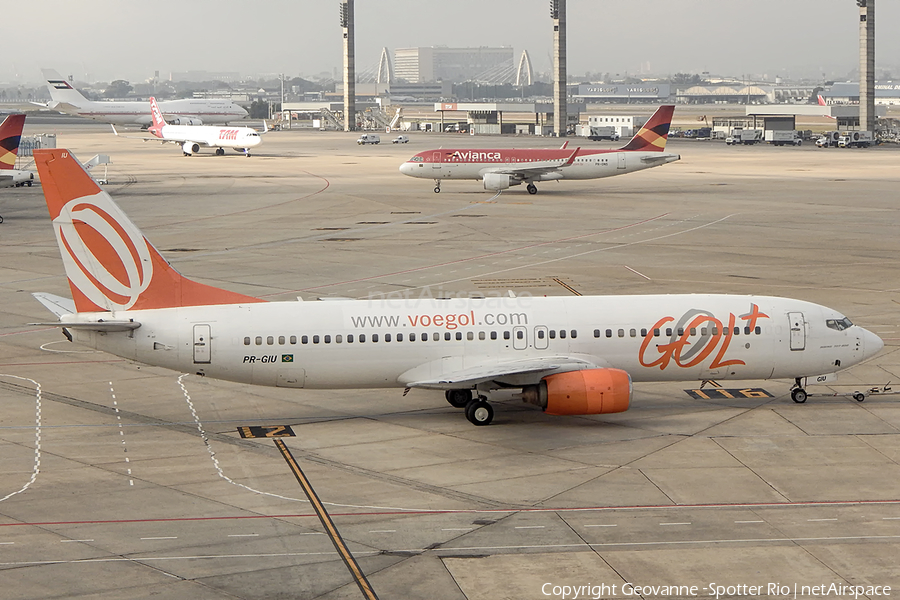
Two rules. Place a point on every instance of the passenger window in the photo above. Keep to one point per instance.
(562, 334)
(362, 338)
(315, 339)
(447, 336)
(424, 337)
(259, 340)
(703, 331)
(399, 337)
(458, 335)
(621, 333)
(349, 338)
(520, 335)
(481, 335)
(758, 330)
(609, 333)
(437, 337)
(656, 332)
(470, 336)
(293, 340)
(493, 335)
(596, 333)
(270, 340)
(338, 339)
(715, 331)
(387, 337)
(281, 340)
(668, 332)
(540, 334)
(246, 341)
(643, 333)
(746, 331)
(681, 331)
(693, 331)
(327, 339)
(375, 338)
(573, 334)
(632, 333)
(737, 331)
(412, 337)
(304, 339)
(552, 334)
(505, 335)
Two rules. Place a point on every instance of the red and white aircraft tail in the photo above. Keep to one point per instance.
(109, 263)
(653, 135)
(159, 121)
(10, 134)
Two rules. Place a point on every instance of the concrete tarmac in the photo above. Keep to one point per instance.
(124, 481)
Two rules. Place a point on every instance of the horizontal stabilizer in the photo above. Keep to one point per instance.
(100, 325)
(58, 305)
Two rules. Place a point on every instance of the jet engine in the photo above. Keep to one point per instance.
(588, 392)
(497, 181)
(190, 147)
(185, 121)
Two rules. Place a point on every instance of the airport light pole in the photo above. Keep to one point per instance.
(866, 64)
(560, 95)
(347, 19)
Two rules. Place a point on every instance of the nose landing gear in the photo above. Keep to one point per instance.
(437, 186)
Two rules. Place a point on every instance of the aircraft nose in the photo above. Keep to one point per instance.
(872, 344)
(406, 167)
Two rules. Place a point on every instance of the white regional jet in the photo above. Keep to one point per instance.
(501, 168)
(193, 137)
(567, 355)
(187, 111)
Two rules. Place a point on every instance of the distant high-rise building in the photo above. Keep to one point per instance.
(437, 63)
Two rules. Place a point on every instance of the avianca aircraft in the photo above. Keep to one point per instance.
(192, 137)
(567, 355)
(10, 134)
(188, 111)
(501, 168)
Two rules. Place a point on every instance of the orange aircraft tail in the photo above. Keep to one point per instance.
(109, 263)
(653, 135)
(10, 134)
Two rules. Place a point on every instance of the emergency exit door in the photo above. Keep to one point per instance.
(202, 346)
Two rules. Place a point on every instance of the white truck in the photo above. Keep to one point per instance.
(596, 133)
(856, 139)
(745, 136)
(369, 138)
(782, 138)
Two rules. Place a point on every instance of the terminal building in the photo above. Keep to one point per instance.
(438, 63)
(615, 93)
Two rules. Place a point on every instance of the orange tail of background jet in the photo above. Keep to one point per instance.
(10, 134)
(653, 135)
(109, 263)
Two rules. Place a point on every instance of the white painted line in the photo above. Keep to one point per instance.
(6, 543)
(601, 525)
(313, 533)
(458, 529)
(160, 538)
(530, 527)
(637, 273)
(749, 521)
(383, 531)
(890, 518)
(811, 520)
(243, 535)
(674, 524)
(67, 541)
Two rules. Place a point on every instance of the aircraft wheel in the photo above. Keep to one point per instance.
(798, 395)
(458, 398)
(479, 412)
(28, 183)
(1, 218)
(532, 189)
(437, 189)
(220, 151)
(858, 396)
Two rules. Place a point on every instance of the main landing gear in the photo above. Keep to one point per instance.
(532, 189)
(220, 151)
(478, 411)
(437, 186)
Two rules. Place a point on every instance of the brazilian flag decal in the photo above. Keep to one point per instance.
(287, 358)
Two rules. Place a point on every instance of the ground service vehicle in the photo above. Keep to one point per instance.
(400, 139)
(369, 138)
(856, 139)
(745, 136)
(782, 138)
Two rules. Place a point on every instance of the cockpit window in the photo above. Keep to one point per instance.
(838, 324)
(416, 159)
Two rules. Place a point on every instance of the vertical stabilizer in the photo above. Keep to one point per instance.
(109, 263)
(159, 121)
(62, 91)
(10, 134)
(653, 135)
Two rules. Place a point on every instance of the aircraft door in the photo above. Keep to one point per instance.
(202, 346)
(520, 338)
(541, 340)
(798, 330)
(621, 158)
(435, 160)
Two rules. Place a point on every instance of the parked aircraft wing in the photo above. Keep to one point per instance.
(488, 372)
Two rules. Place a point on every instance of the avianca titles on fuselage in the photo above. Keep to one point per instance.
(192, 137)
(568, 355)
(501, 168)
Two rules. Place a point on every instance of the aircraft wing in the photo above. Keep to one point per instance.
(533, 368)
(536, 169)
(146, 138)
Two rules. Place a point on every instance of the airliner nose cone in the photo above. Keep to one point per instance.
(405, 168)
(872, 344)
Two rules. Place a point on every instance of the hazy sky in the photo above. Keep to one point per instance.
(127, 39)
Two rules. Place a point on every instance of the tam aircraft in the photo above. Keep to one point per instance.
(502, 168)
(10, 135)
(189, 111)
(567, 355)
(193, 137)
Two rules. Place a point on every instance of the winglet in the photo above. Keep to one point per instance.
(109, 263)
(653, 135)
(114, 129)
(565, 144)
(158, 120)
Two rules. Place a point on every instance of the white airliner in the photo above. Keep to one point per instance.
(501, 168)
(568, 355)
(194, 137)
(188, 111)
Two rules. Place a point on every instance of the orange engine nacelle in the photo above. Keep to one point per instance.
(588, 392)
